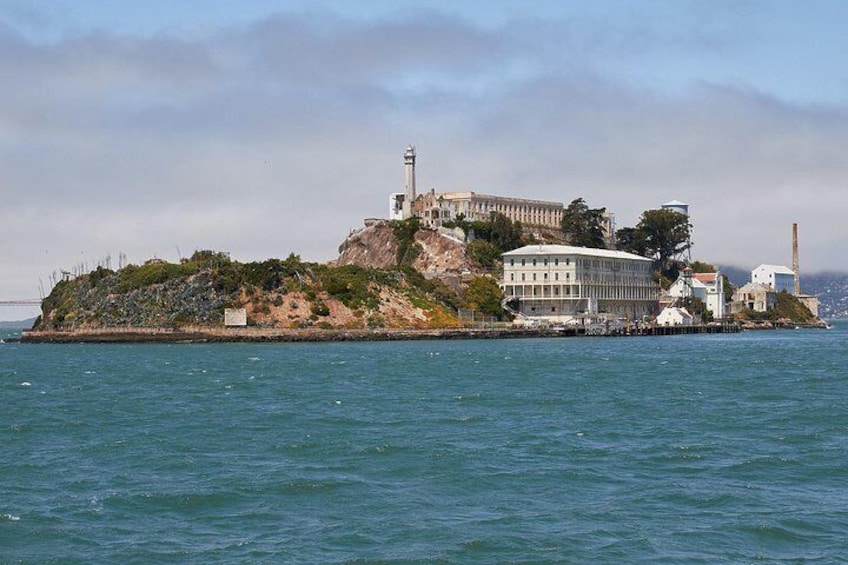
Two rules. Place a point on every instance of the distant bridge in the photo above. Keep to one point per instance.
(30, 302)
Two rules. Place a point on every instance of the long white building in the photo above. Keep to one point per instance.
(561, 284)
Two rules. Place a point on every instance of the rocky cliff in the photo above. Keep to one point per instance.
(376, 246)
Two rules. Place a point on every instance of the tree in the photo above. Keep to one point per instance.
(666, 234)
(661, 235)
(584, 226)
(485, 253)
(631, 240)
(506, 234)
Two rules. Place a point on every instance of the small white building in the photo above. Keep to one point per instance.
(707, 287)
(566, 284)
(777, 277)
(673, 316)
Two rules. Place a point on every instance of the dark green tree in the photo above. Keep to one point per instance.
(584, 226)
(661, 235)
(631, 240)
(506, 234)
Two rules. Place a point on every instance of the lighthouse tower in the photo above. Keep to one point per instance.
(409, 181)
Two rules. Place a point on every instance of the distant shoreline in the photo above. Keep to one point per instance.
(276, 335)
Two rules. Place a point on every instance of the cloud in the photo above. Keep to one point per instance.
(281, 135)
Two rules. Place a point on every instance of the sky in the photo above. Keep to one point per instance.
(264, 128)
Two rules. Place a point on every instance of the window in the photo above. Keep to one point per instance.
(512, 262)
(512, 276)
(522, 262)
(546, 261)
(534, 262)
(534, 276)
(556, 276)
(546, 276)
(522, 276)
(556, 261)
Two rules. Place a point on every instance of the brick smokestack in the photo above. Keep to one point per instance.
(795, 268)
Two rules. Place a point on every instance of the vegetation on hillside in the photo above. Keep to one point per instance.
(489, 239)
(276, 292)
(788, 308)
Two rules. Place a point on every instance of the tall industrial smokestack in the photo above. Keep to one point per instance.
(795, 259)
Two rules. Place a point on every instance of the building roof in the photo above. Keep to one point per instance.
(708, 278)
(572, 250)
(777, 269)
(756, 287)
(675, 203)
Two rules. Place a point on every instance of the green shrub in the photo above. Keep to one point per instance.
(350, 284)
(133, 277)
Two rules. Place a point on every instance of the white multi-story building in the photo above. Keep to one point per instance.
(561, 284)
(708, 287)
(777, 277)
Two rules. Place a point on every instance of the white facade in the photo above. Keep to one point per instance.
(675, 317)
(561, 284)
(396, 200)
(707, 287)
(777, 277)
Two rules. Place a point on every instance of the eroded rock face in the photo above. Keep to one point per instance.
(375, 246)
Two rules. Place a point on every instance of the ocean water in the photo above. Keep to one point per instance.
(684, 449)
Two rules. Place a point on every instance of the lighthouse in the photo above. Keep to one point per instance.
(409, 181)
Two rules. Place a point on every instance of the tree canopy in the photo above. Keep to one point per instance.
(583, 226)
(660, 234)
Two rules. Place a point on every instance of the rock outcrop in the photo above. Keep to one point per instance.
(375, 246)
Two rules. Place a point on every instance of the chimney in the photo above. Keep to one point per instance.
(795, 259)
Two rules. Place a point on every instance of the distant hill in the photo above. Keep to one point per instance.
(832, 290)
(18, 324)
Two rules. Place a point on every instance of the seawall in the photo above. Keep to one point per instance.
(211, 335)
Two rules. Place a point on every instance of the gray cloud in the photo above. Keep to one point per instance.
(282, 135)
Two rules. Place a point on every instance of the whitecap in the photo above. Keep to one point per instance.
(12, 518)
(338, 402)
(26, 383)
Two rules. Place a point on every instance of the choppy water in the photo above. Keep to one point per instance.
(686, 449)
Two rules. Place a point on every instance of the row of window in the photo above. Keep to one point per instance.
(588, 263)
(589, 278)
(556, 262)
(610, 293)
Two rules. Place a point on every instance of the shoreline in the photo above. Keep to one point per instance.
(277, 335)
